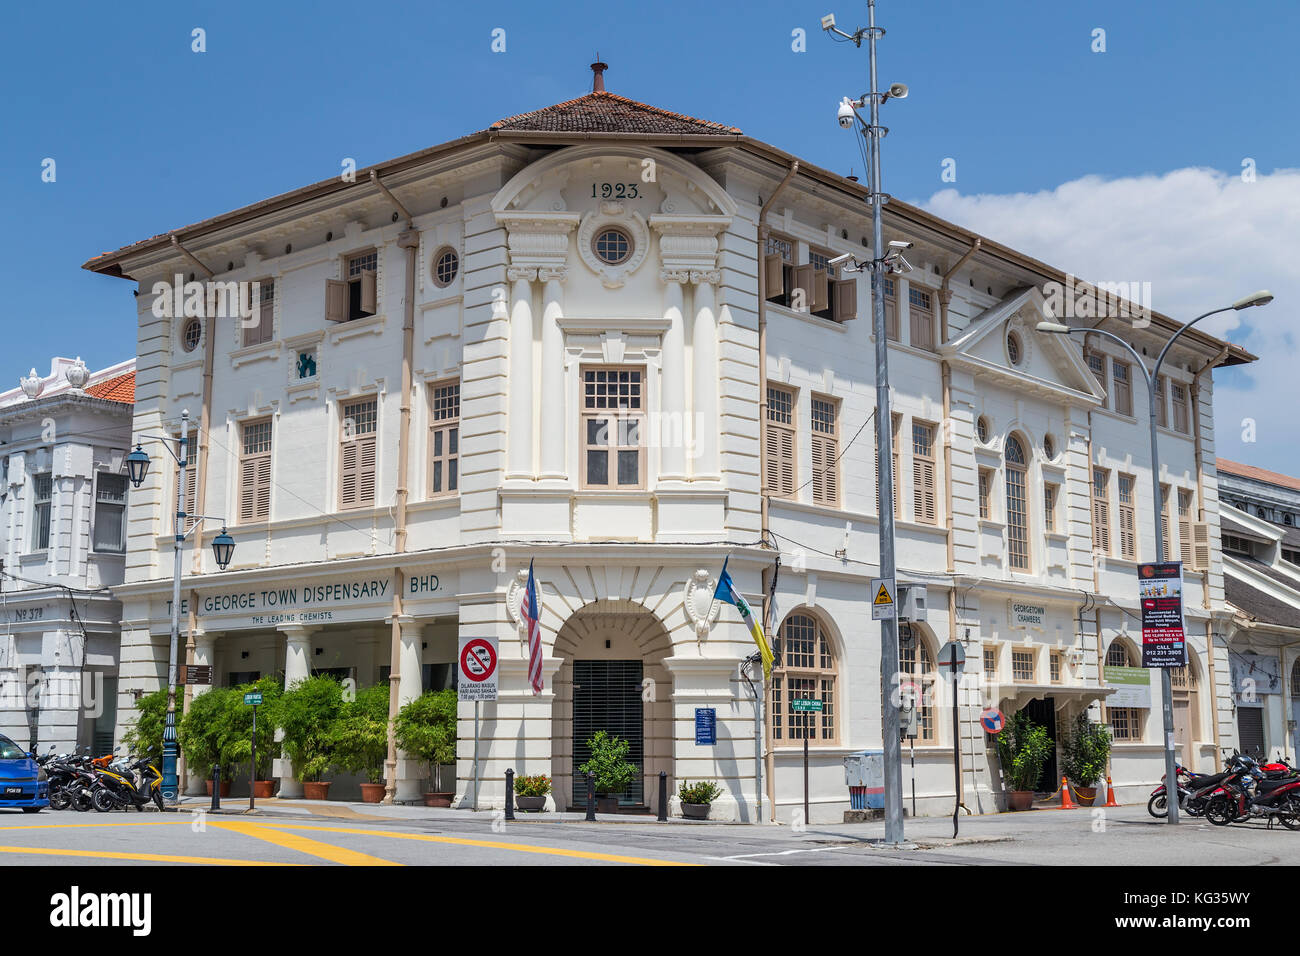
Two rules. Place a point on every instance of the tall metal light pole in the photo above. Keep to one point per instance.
(1152, 378)
(223, 549)
(879, 264)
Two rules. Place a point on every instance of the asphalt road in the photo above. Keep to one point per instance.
(358, 835)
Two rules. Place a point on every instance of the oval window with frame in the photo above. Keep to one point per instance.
(612, 246)
(191, 335)
(1014, 351)
(446, 265)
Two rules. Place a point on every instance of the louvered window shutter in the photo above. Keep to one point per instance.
(348, 475)
(923, 501)
(891, 319)
(780, 461)
(821, 291)
(1185, 541)
(830, 454)
(247, 489)
(191, 490)
(802, 294)
(1101, 525)
(264, 487)
(369, 299)
(773, 276)
(818, 470)
(336, 300)
(1200, 546)
(366, 471)
(846, 299)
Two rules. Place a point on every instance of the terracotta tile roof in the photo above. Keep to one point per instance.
(603, 112)
(119, 389)
(1258, 474)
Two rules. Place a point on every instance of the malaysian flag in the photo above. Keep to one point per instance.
(531, 612)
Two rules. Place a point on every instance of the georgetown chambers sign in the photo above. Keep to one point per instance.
(302, 602)
(1026, 615)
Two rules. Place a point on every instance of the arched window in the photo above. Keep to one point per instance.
(1017, 506)
(916, 666)
(806, 668)
(1125, 722)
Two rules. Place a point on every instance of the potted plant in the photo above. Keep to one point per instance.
(612, 770)
(1023, 747)
(530, 792)
(241, 719)
(360, 739)
(426, 730)
(1087, 751)
(204, 735)
(696, 797)
(306, 714)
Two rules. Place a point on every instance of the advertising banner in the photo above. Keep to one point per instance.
(1160, 594)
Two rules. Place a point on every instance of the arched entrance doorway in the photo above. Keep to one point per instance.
(612, 678)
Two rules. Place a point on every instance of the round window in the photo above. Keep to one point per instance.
(1013, 348)
(612, 246)
(982, 429)
(445, 266)
(1049, 446)
(191, 333)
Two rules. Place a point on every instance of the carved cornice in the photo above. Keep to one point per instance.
(553, 273)
(674, 275)
(561, 223)
(688, 225)
(527, 273)
(710, 276)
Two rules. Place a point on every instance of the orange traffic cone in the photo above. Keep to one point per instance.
(1066, 802)
(1110, 793)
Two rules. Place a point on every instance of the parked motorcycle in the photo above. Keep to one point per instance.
(1271, 793)
(1195, 790)
(126, 785)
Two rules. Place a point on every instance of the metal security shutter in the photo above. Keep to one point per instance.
(1250, 730)
(607, 696)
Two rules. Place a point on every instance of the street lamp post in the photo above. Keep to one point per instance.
(1152, 377)
(223, 549)
(879, 265)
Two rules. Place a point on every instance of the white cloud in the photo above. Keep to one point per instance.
(1202, 239)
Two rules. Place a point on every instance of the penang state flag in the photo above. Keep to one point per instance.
(531, 612)
(726, 591)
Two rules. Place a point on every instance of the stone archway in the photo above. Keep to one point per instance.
(593, 641)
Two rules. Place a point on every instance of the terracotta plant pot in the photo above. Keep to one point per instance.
(1084, 796)
(1020, 799)
(225, 787)
(607, 804)
(372, 792)
(531, 804)
(316, 789)
(263, 789)
(695, 811)
(432, 799)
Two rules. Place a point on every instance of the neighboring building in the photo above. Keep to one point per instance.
(63, 498)
(1261, 563)
(578, 288)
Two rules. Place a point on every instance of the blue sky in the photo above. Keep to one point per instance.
(149, 136)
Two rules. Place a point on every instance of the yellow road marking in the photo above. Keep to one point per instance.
(326, 851)
(488, 844)
(147, 857)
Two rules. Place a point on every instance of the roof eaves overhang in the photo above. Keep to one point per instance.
(960, 239)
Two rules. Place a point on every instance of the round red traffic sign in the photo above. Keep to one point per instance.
(478, 662)
(992, 720)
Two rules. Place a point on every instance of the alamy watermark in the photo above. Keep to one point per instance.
(1073, 299)
(221, 300)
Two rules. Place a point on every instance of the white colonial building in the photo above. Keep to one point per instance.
(63, 497)
(609, 338)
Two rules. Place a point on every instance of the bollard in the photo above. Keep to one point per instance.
(591, 797)
(510, 794)
(663, 796)
(216, 786)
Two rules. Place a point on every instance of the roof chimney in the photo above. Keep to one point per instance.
(598, 79)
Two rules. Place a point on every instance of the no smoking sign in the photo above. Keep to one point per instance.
(477, 663)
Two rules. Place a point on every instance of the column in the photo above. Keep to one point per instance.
(410, 773)
(297, 666)
(204, 653)
(705, 366)
(519, 428)
(552, 403)
(673, 428)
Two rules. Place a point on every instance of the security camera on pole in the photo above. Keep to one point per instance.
(891, 262)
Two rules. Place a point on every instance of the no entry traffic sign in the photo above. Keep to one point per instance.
(992, 721)
(477, 662)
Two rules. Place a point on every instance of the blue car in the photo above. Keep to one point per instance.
(22, 781)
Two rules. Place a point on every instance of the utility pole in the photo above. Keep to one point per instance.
(879, 265)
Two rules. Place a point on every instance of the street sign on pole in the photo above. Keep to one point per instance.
(253, 698)
(477, 662)
(992, 721)
(883, 606)
(806, 706)
(952, 658)
(1160, 595)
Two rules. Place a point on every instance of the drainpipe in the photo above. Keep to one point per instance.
(765, 493)
(410, 241)
(945, 296)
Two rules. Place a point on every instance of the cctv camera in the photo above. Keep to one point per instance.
(899, 244)
(846, 114)
(841, 260)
